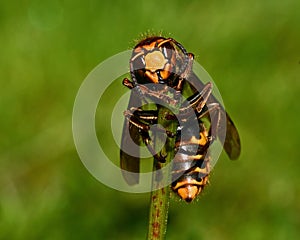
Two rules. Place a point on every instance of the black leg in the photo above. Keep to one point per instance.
(144, 128)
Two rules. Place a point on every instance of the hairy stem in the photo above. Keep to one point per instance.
(159, 201)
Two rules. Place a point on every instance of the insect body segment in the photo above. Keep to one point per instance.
(165, 64)
(191, 165)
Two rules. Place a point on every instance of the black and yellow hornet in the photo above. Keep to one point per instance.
(164, 63)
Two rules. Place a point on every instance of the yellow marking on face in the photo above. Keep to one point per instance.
(150, 46)
(164, 74)
(155, 60)
(152, 76)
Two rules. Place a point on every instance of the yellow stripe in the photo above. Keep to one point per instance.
(188, 182)
(193, 140)
(163, 42)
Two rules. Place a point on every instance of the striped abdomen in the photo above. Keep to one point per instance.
(191, 165)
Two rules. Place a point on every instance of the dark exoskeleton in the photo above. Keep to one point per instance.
(158, 64)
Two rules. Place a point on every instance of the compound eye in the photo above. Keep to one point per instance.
(139, 62)
(168, 51)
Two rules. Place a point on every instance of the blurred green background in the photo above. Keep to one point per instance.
(250, 48)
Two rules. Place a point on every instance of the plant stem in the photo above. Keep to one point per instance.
(160, 198)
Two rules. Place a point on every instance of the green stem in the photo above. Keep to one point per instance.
(159, 201)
